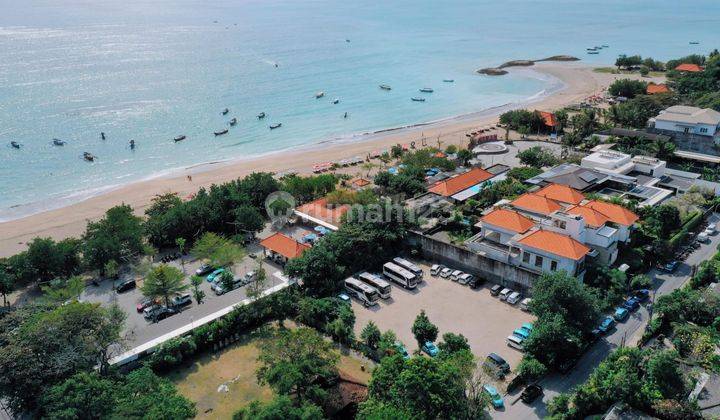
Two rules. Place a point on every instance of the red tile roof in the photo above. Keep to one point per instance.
(508, 219)
(460, 182)
(556, 243)
(593, 218)
(693, 68)
(549, 118)
(284, 245)
(561, 193)
(440, 155)
(615, 213)
(652, 88)
(320, 209)
(359, 182)
(536, 204)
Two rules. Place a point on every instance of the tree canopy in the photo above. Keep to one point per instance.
(118, 236)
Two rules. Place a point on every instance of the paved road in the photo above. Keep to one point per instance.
(629, 331)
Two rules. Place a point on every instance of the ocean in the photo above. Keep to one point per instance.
(149, 70)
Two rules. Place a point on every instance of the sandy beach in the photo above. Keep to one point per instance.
(580, 82)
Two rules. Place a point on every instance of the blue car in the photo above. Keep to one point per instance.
(527, 325)
(631, 304)
(402, 350)
(641, 295)
(495, 397)
(522, 333)
(671, 266)
(607, 323)
(621, 314)
(215, 274)
(430, 348)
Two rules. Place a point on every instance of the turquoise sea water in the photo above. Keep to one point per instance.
(149, 70)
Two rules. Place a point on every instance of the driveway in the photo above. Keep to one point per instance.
(482, 318)
(626, 332)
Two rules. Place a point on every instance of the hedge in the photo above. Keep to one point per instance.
(691, 224)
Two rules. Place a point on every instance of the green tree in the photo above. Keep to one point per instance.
(640, 281)
(530, 368)
(453, 343)
(376, 410)
(227, 280)
(43, 346)
(50, 259)
(423, 329)
(118, 236)
(248, 219)
(537, 157)
(180, 242)
(370, 335)
(162, 282)
(60, 290)
(280, 407)
(198, 294)
(86, 395)
(386, 345)
(628, 88)
(464, 156)
(297, 362)
(553, 341)
(146, 395)
(112, 269)
(560, 293)
(661, 221)
(258, 286)
(7, 284)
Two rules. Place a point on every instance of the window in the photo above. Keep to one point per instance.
(553, 265)
(703, 130)
(561, 224)
(526, 257)
(538, 261)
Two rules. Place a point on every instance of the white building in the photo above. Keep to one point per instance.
(689, 120)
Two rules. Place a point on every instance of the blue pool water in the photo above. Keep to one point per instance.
(149, 70)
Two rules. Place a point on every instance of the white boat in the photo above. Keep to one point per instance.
(179, 138)
(385, 87)
(418, 99)
(336, 101)
(221, 132)
(448, 80)
(261, 115)
(58, 142)
(319, 95)
(426, 90)
(274, 126)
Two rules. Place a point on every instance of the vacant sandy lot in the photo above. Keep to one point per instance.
(482, 318)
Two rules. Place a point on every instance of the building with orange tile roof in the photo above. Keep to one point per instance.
(561, 193)
(592, 218)
(549, 119)
(620, 217)
(322, 213)
(556, 244)
(691, 68)
(537, 204)
(653, 88)
(460, 183)
(282, 247)
(507, 219)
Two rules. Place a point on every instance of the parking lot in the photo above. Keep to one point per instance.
(138, 330)
(482, 318)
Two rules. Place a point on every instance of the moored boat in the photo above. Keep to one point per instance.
(385, 87)
(15, 145)
(233, 121)
(58, 142)
(426, 90)
(181, 137)
(593, 52)
(225, 111)
(694, 43)
(449, 80)
(274, 126)
(336, 101)
(319, 95)
(418, 99)
(221, 132)
(605, 46)
(88, 156)
(261, 115)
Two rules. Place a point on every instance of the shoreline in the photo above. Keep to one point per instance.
(577, 81)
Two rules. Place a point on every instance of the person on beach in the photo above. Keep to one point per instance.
(189, 178)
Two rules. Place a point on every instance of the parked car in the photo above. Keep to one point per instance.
(631, 304)
(671, 266)
(435, 269)
(495, 290)
(150, 311)
(204, 269)
(402, 349)
(215, 274)
(606, 325)
(521, 333)
(497, 362)
(525, 304)
(144, 304)
(514, 298)
(515, 342)
(527, 325)
(125, 286)
(495, 397)
(250, 277)
(455, 275)
(164, 313)
(430, 348)
(181, 300)
(445, 272)
(505, 293)
(465, 279)
(641, 295)
(711, 228)
(709, 232)
(530, 393)
(344, 298)
(621, 314)
(703, 237)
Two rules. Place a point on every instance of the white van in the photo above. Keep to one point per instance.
(505, 293)
(525, 304)
(514, 298)
(465, 279)
(435, 269)
(703, 237)
(456, 275)
(445, 272)
(515, 342)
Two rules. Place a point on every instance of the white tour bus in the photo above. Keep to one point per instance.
(409, 266)
(367, 295)
(400, 275)
(383, 288)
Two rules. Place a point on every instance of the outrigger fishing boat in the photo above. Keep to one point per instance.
(233, 121)
(221, 132)
(181, 137)
(274, 126)
(261, 115)
(319, 95)
(448, 80)
(336, 101)
(58, 142)
(426, 90)
(418, 99)
(385, 87)
(225, 111)
(15, 145)
(88, 156)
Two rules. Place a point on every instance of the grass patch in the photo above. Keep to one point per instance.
(235, 367)
(611, 70)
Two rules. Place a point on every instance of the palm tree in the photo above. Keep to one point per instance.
(368, 166)
(162, 282)
(180, 242)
